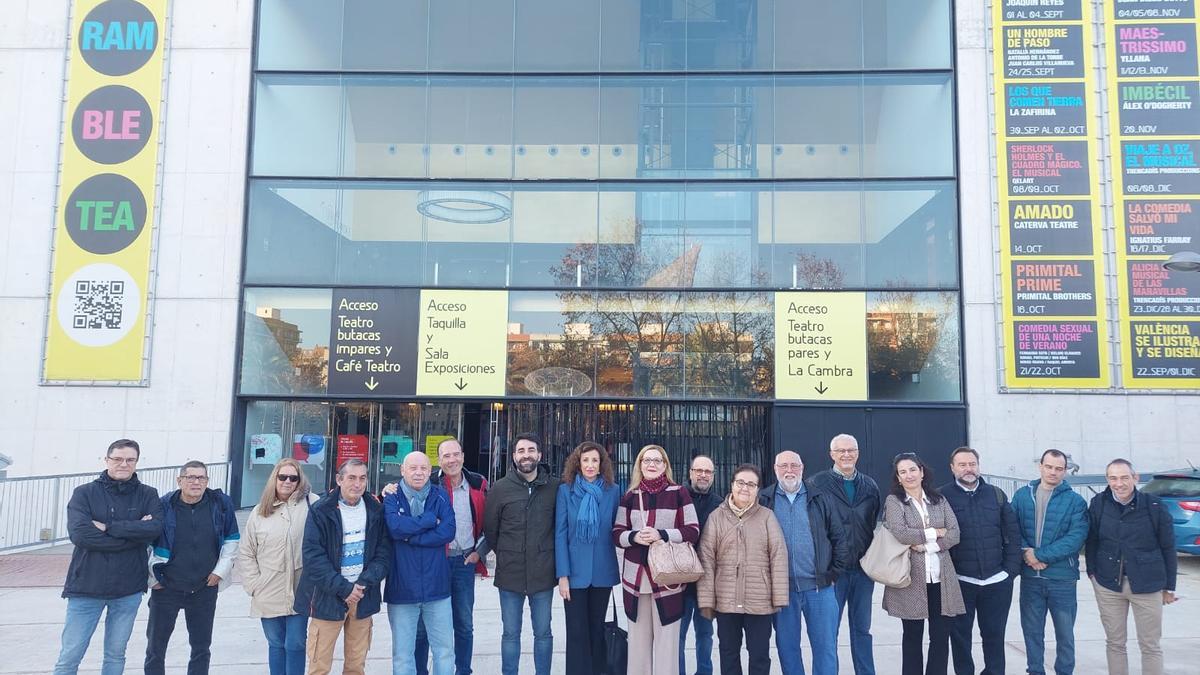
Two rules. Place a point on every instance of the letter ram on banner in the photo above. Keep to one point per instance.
(1154, 133)
(1051, 227)
(99, 311)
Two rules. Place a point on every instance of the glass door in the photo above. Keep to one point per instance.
(400, 424)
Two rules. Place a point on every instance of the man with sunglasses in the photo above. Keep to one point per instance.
(192, 561)
(111, 522)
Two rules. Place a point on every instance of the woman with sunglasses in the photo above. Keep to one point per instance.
(270, 560)
(745, 578)
(917, 515)
(654, 509)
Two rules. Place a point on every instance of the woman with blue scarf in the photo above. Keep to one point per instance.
(584, 556)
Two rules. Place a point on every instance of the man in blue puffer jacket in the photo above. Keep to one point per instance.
(421, 522)
(1054, 527)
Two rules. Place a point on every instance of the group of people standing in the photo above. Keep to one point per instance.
(776, 558)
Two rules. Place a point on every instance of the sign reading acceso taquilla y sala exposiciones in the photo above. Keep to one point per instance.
(99, 311)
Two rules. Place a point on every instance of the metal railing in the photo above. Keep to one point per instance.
(33, 510)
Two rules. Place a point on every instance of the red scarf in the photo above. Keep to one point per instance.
(654, 485)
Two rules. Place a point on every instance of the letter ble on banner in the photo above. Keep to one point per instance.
(99, 311)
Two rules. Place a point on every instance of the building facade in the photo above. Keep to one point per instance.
(726, 226)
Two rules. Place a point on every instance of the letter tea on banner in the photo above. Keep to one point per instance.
(821, 346)
(1051, 227)
(1154, 131)
(99, 313)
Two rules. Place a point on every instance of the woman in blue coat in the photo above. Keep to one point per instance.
(584, 557)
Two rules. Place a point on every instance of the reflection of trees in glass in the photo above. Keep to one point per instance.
(904, 331)
(813, 271)
(274, 362)
(729, 345)
(573, 347)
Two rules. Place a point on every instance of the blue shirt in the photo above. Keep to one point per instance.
(792, 513)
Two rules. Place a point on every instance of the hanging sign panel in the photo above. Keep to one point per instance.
(99, 311)
(463, 343)
(821, 346)
(1051, 255)
(1154, 128)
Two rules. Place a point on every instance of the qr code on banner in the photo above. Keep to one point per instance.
(98, 304)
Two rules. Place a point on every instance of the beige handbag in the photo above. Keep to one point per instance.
(886, 560)
(671, 564)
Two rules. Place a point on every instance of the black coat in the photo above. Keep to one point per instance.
(518, 521)
(858, 519)
(990, 535)
(831, 554)
(705, 503)
(113, 563)
(1138, 540)
(322, 590)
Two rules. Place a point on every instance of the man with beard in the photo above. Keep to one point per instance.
(518, 521)
(987, 559)
(817, 555)
(706, 499)
(854, 498)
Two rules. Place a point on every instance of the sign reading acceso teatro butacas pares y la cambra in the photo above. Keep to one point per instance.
(103, 238)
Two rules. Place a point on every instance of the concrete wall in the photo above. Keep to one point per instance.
(184, 413)
(1010, 430)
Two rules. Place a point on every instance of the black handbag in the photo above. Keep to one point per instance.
(616, 643)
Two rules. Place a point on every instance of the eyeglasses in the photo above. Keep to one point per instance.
(790, 465)
(288, 478)
(703, 472)
(122, 460)
(651, 460)
(745, 485)
(845, 451)
(194, 479)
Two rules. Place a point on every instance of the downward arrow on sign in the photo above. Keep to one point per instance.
(371, 383)
(821, 388)
(460, 384)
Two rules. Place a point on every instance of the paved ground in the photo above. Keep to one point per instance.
(31, 616)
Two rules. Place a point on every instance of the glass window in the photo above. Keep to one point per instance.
(471, 35)
(819, 34)
(818, 127)
(470, 128)
(729, 345)
(905, 34)
(552, 344)
(299, 126)
(911, 236)
(467, 229)
(400, 435)
(554, 236)
(343, 34)
(386, 126)
(557, 36)
(264, 446)
(818, 236)
(285, 341)
(557, 132)
(300, 34)
(312, 442)
(913, 346)
(908, 125)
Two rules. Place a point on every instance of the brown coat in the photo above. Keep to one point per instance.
(911, 602)
(745, 562)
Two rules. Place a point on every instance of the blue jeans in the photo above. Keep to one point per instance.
(286, 637)
(83, 615)
(512, 611)
(1038, 596)
(854, 589)
(820, 611)
(704, 636)
(462, 603)
(439, 629)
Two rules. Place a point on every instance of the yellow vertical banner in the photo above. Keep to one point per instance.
(1153, 83)
(104, 217)
(1051, 225)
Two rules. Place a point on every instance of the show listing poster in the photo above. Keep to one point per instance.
(1051, 228)
(1154, 133)
(96, 328)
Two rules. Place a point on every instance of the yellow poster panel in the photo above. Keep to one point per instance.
(462, 347)
(1051, 238)
(97, 319)
(1154, 131)
(431, 447)
(821, 346)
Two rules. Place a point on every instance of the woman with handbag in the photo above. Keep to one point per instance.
(270, 561)
(656, 520)
(919, 517)
(584, 558)
(745, 578)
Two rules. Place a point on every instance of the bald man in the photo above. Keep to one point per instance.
(817, 554)
(420, 520)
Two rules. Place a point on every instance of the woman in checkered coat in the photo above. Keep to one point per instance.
(918, 515)
(654, 508)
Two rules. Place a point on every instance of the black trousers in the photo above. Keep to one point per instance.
(198, 607)
(991, 603)
(757, 628)
(584, 614)
(939, 638)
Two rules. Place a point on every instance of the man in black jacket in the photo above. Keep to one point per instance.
(854, 499)
(987, 560)
(111, 521)
(706, 499)
(1131, 561)
(347, 555)
(518, 522)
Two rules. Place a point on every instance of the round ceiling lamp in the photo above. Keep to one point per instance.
(466, 207)
(556, 381)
